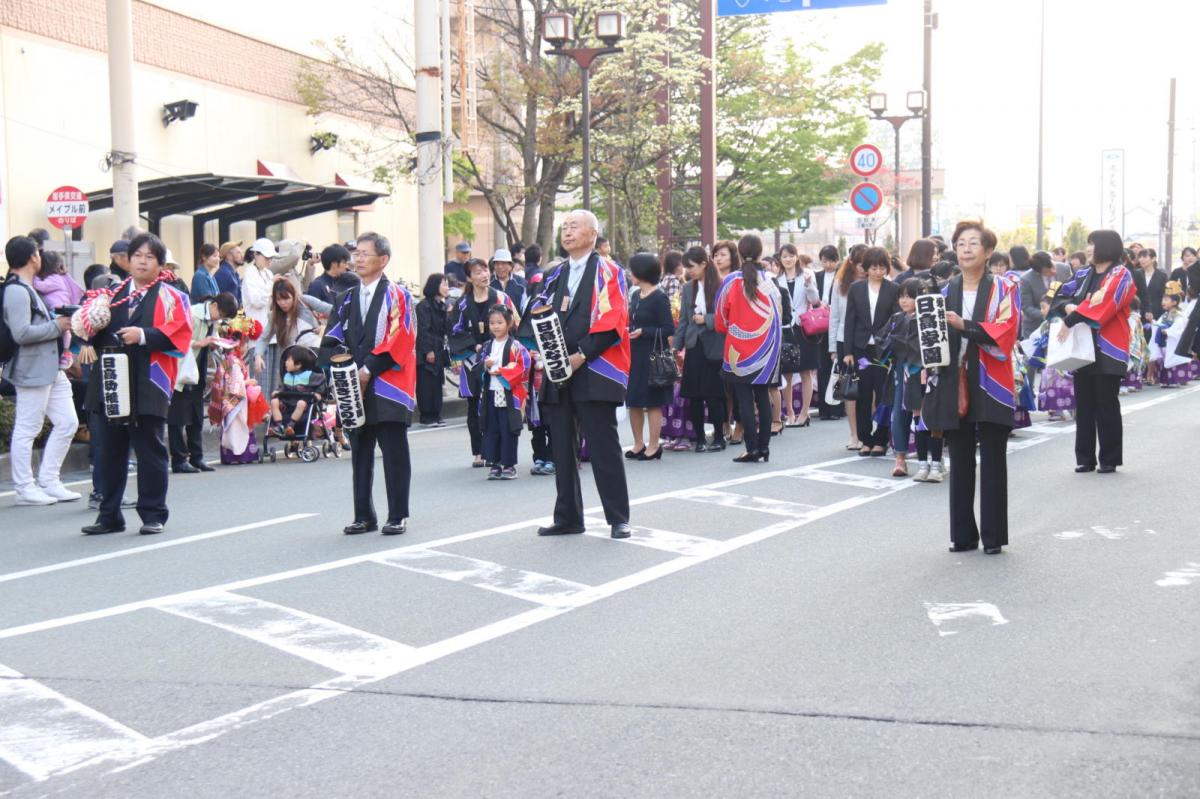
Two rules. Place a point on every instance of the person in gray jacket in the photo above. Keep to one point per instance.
(36, 370)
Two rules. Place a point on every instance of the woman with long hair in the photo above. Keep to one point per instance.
(726, 260)
(703, 350)
(433, 325)
(799, 282)
(292, 320)
(748, 310)
(869, 305)
(850, 272)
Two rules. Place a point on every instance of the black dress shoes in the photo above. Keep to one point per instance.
(1106, 469)
(992, 550)
(561, 529)
(963, 547)
(621, 531)
(100, 528)
(358, 528)
(185, 468)
(201, 466)
(1083, 468)
(396, 528)
(151, 528)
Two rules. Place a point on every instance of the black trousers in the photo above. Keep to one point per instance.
(110, 471)
(540, 439)
(392, 438)
(993, 484)
(186, 444)
(824, 374)
(598, 423)
(872, 388)
(752, 397)
(473, 425)
(1097, 415)
(716, 413)
(429, 394)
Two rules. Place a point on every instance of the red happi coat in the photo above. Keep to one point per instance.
(1106, 311)
(513, 375)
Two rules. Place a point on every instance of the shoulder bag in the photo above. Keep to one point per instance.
(664, 371)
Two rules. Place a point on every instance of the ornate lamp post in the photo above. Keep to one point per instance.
(558, 29)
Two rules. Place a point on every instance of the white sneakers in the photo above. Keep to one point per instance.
(61, 492)
(34, 496)
(46, 495)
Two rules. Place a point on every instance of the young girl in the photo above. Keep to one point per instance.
(1177, 375)
(903, 342)
(504, 390)
(302, 381)
(58, 289)
(1056, 392)
(1133, 380)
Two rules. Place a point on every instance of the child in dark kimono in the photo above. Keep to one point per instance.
(503, 394)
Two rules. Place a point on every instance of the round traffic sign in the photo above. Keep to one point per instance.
(67, 207)
(866, 198)
(866, 160)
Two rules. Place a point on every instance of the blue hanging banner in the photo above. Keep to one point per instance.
(731, 8)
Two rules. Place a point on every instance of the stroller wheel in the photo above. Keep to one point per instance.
(272, 456)
(309, 454)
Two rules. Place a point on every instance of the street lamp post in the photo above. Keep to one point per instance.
(558, 29)
(916, 105)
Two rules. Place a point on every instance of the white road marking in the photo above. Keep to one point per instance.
(1184, 576)
(725, 499)
(1103, 531)
(652, 538)
(844, 479)
(943, 613)
(124, 553)
(542, 589)
(337, 647)
(44, 731)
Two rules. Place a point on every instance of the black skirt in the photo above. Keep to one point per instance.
(810, 349)
(701, 377)
(641, 394)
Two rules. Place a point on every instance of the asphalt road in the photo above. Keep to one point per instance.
(790, 629)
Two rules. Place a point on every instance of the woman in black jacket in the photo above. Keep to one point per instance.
(703, 349)
(870, 304)
(433, 323)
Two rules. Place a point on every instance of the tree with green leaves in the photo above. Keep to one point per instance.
(1075, 238)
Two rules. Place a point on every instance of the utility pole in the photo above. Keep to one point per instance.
(123, 155)
(708, 123)
(1169, 211)
(927, 127)
(1041, 224)
(663, 180)
(447, 109)
(430, 235)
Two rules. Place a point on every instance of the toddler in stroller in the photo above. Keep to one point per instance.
(303, 386)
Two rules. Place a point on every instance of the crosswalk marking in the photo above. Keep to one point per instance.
(327, 643)
(542, 589)
(652, 538)
(777, 507)
(44, 732)
(844, 479)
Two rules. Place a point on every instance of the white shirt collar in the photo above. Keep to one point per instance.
(369, 288)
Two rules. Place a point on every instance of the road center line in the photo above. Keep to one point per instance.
(71, 564)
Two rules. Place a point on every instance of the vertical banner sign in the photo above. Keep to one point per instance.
(1112, 190)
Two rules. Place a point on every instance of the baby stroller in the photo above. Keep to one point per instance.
(316, 433)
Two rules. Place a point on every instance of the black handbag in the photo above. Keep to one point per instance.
(664, 371)
(790, 357)
(846, 389)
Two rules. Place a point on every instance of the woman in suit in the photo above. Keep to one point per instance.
(1099, 297)
(850, 272)
(650, 329)
(748, 309)
(983, 312)
(703, 349)
(797, 280)
(869, 305)
(433, 324)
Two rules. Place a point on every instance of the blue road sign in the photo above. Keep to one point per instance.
(866, 198)
(731, 8)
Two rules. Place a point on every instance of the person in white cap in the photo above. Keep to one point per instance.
(256, 283)
(503, 279)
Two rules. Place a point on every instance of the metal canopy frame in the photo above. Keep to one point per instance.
(263, 199)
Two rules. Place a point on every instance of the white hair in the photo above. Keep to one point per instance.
(590, 218)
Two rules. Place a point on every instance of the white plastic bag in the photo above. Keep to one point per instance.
(1074, 353)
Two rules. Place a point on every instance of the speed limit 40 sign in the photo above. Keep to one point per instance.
(866, 160)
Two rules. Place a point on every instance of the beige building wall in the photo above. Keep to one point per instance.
(54, 125)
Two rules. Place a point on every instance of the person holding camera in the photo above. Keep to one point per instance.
(35, 368)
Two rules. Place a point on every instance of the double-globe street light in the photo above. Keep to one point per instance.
(916, 105)
(558, 29)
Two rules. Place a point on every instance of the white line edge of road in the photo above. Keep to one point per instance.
(88, 481)
(70, 564)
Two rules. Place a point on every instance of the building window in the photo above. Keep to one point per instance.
(347, 225)
(275, 232)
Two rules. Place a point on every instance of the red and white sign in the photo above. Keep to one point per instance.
(866, 160)
(67, 207)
